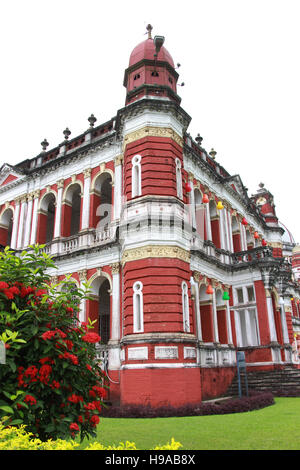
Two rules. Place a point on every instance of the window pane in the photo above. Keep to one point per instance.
(240, 296)
(250, 291)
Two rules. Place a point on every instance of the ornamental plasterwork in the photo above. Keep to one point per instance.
(153, 132)
(115, 268)
(155, 251)
(119, 160)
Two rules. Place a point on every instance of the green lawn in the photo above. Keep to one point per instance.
(276, 427)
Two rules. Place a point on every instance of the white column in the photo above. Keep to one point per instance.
(57, 225)
(21, 223)
(228, 321)
(192, 205)
(86, 199)
(283, 322)
(13, 243)
(248, 331)
(238, 328)
(28, 221)
(36, 195)
(208, 224)
(83, 279)
(195, 284)
(243, 237)
(115, 320)
(215, 318)
(273, 335)
(230, 231)
(222, 229)
(118, 188)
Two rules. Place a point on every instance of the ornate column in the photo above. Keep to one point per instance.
(286, 339)
(28, 220)
(273, 335)
(115, 321)
(83, 278)
(208, 223)
(13, 243)
(85, 221)
(57, 225)
(118, 187)
(195, 280)
(215, 317)
(21, 222)
(35, 195)
(228, 320)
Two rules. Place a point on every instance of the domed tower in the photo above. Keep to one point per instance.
(159, 331)
(151, 71)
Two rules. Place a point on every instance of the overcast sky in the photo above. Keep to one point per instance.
(63, 60)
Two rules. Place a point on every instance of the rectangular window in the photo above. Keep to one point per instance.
(250, 292)
(240, 296)
(246, 312)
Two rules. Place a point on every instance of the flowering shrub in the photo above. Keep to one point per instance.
(255, 401)
(16, 438)
(51, 381)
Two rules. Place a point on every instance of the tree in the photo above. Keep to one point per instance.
(51, 381)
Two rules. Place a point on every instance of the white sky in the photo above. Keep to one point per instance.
(63, 60)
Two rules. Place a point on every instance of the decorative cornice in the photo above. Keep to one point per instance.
(151, 131)
(155, 251)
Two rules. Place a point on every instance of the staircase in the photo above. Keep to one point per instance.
(286, 380)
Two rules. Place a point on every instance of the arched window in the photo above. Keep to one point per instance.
(178, 178)
(136, 176)
(104, 311)
(138, 313)
(185, 307)
(215, 224)
(6, 227)
(71, 210)
(236, 235)
(199, 214)
(50, 219)
(45, 229)
(75, 215)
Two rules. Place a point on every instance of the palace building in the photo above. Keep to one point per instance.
(185, 267)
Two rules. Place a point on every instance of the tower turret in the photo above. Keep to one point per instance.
(151, 71)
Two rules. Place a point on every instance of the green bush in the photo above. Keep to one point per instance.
(51, 382)
(17, 438)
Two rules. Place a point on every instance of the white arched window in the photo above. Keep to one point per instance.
(138, 313)
(185, 307)
(136, 176)
(178, 178)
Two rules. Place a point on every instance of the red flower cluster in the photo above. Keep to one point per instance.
(70, 356)
(75, 398)
(74, 427)
(19, 289)
(30, 400)
(91, 338)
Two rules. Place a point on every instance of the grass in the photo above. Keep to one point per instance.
(275, 427)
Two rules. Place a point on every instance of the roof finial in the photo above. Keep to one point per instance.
(149, 29)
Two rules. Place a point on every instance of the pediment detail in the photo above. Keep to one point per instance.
(8, 174)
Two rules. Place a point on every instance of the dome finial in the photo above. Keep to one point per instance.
(149, 29)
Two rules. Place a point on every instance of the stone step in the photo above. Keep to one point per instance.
(288, 378)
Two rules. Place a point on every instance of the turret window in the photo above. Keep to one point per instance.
(185, 307)
(155, 74)
(137, 76)
(138, 314)
(178, 178)
(136, 176)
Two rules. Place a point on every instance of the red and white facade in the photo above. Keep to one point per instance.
(185, 268)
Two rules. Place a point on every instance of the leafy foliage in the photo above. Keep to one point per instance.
(51, 382)
(233, 405)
